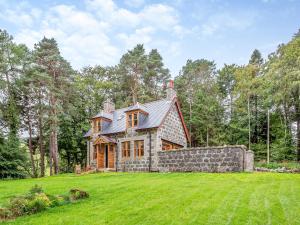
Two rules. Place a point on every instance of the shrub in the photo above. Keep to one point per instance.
(18, 206)
(76, 194)
(5, 214)
(58, 200)
(39, 203)
(36, 201)
(36, 189)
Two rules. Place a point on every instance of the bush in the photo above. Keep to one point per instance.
(275, 165)
(36, 189)
(76, 194)
(5, 214)
(36, 201)
(39, 203)
(18, 206)
(58, 200)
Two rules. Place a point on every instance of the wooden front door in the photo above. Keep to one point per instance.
(111, 156)
(100, 156)
(106, 156)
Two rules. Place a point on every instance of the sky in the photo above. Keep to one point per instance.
(91, 32)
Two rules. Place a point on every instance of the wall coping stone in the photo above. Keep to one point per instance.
(206, 148)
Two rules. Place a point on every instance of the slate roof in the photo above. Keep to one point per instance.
(103, 114)
(156, 110)
(137, 106)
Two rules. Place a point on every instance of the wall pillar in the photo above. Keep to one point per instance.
(249, 161)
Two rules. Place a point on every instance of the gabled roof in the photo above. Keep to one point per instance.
(157, 112)
(103, 115)
(137, 106)
(104, 139)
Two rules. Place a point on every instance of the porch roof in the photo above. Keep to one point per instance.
(104, 139)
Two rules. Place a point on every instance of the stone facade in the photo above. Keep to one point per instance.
(206, 159)
(172, 128)
(138, 164)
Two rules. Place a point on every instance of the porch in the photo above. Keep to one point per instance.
(105, 149)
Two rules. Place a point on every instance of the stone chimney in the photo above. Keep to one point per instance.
(108, 106)
(171, 93)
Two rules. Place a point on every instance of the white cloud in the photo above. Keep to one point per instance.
(224, 21)
(96, 33)
(21, 15)
(142, 35)
(81, 37)
(160, 16)
(134, 3)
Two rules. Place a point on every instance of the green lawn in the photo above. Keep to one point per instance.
(174, 198)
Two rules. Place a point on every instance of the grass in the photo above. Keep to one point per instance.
(174, 198)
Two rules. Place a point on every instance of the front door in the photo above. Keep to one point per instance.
(106, 156)
(111, 156)
(100, 156)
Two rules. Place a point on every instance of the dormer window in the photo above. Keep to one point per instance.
(134, 114)
(99, 122)
(132, 119)
(97, 125)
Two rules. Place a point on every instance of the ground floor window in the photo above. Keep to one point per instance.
(126, 149)
(138, 149)
(167, 145)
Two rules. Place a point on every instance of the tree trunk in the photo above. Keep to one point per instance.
(190, 122)
(297, 109)
(298, 139)
(256, 120)
(207, 137)
(249, 124)
(51, 154)
(268, 138)
(56, 163)
(34, 172)
(42, 150)
(53, 133)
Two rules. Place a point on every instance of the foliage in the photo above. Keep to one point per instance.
(76, 194)
(275, 165)
(36, 201)
(36, 189)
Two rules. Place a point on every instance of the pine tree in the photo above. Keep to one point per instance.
(48, 58)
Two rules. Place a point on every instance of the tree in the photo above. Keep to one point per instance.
(132, 66)
(155, 76)
(196, 79)
(12, 158)
(49, 60)
(283, 70)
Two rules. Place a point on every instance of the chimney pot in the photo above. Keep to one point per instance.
(108, 106)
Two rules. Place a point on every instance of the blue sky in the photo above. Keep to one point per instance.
(93, 32)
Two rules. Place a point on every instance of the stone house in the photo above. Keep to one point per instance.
(129, 139)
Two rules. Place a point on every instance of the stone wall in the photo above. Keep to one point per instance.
(132, 164)
(172, 129)
(206, 159)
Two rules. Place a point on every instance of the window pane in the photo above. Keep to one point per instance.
(130, 120)
(135, 119)
(99, 126)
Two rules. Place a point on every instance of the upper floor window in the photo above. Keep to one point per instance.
(138, 149)
(97, 126)
(132, 119)
(126, 149)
